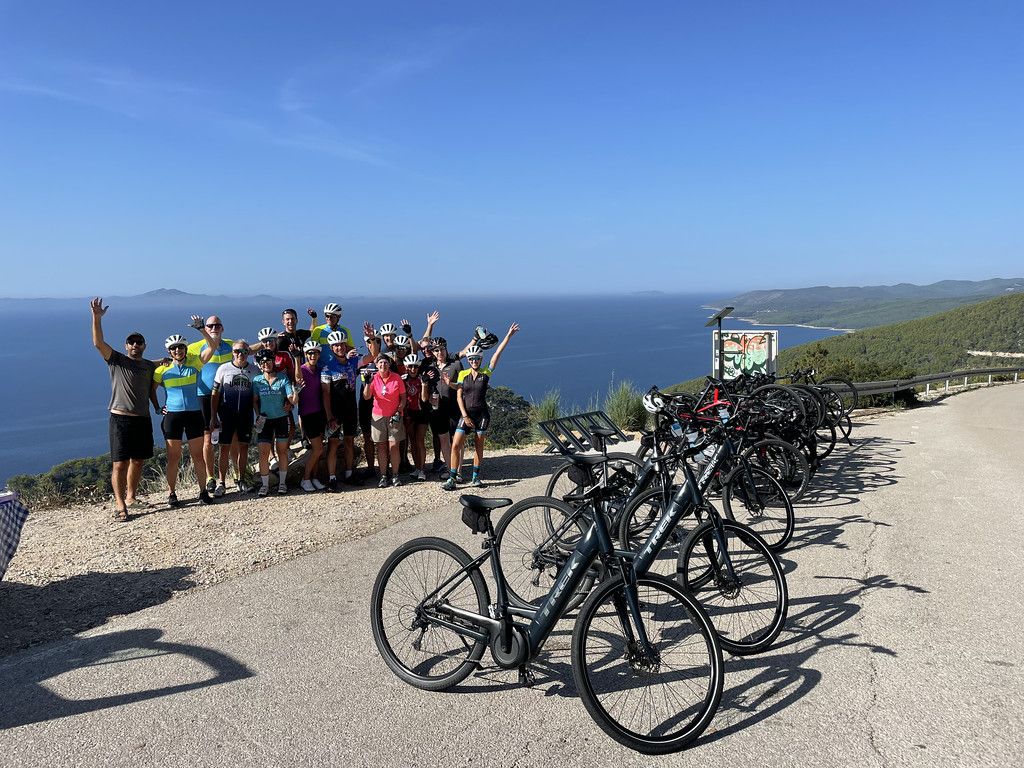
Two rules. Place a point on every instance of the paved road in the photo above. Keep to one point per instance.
(903, 645)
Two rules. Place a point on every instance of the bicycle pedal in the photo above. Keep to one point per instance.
(526, 677)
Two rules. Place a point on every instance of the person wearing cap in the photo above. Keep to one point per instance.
(311, 413)
(273, 396)
(130, 428)
(182, 411)
(213, 334)
(338, 377)
(231, 401)
(416, 414)
(388, 393)
(471, 394)
(319, 333)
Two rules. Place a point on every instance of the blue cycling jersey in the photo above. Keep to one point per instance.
(272, 395)
(209, 369)
(180, 383)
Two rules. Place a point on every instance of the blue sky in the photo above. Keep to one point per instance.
(445, 147)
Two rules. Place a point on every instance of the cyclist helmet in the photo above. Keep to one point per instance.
(310, 345)
(440, 341)
(474, 351)
(388, 328)
(265, 334)
(263, 356)
(653, 401)
(401, 341)
(336, 337)
(174, 340)
(332, 309)
(411, 360)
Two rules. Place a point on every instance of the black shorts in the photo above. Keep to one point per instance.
(365, 415)
(131, 437)
(274, 430)
(481, 420)
(177, 422)
(440, 424)
(346, 411)
(313, 424)
(234, 424)
(420, 416)
(206, 408)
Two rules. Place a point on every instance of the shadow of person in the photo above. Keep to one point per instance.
(34, 614)
(27, 700)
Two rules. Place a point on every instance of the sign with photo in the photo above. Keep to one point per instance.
(746, 352)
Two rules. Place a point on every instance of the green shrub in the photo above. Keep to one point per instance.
(550, 407)
(624, 406)
(510, 418)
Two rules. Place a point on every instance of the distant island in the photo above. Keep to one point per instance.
(863, 307)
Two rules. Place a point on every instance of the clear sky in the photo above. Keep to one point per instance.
(457, 147)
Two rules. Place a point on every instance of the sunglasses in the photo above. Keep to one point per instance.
(136, 342)
(240, 351)
(474, 359)
(312, 352)
(214, 325)
(176, 346)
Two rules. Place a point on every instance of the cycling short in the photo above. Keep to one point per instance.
(419, 416)
(234, 424)
(346, 412)
(313, 424)
(440, 424)
(206, 407)
(176, 423)
(131, 437)
(481, 420)
(365, 415)
(274, 430)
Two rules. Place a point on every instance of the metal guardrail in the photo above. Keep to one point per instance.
(892, 386)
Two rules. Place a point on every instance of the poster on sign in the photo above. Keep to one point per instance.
(745, 352)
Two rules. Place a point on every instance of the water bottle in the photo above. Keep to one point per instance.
(435, 400)
(677, 429)
(396, 419)
(691, 436)
(723, 414)
(215, 436)
(259, 424)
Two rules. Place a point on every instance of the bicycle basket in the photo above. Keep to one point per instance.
(476, 521)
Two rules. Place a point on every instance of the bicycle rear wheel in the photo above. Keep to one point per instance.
(753, 497)
(658, 704)
(748, 607)
(407, 625)
(785, 462)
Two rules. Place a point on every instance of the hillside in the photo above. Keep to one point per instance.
(864, 307)
(930, 344)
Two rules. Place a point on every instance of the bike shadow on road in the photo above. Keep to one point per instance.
(764, 685)
(867, 466)
(86, 663)
(34, 614)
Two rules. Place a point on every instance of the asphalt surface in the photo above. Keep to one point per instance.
(903, 645)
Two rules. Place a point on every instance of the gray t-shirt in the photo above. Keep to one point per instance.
(130, 383)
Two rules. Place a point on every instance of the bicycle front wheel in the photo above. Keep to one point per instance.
(751, 496)
(414, 636)
(653, 703)
(743, 589)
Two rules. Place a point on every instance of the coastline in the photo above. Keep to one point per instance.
(754, 321)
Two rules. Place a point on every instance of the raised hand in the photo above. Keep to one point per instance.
(433, 317)
(406, 326)
(96, 305)
(311, 312)
(196, 321)
(368, 329)
(513, 329)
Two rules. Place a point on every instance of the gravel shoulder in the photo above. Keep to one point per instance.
(75, 570)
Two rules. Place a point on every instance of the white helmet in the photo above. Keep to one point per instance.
(174, 339)
(336, 337)
(388, 328)
(654, 402)
(266, 334)
(401, 341)
(474, 351)
(310, 344)
(332, 309)
(412, 360)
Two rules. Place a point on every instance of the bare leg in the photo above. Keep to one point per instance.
(118, 479)
(479, 448)
(206, 454)
(457, 445)
(173, 460)
(134, 478)
(419, 446)
(446, 445)
(241, 453)
(316, 450)
(394, 457)
(264, 459)
(382, 458)
(197, 448)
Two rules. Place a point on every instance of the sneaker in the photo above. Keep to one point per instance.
(475, 482)
(421, 475)
(460, 479)
(307, 486)
(395, 482)
(383, 482)
(211, 484)
(220, 490)
(332, 485)
(318, 485)
(263, 491)
(282, 489)
(442, 472)
(172, 499)
(437, 465)
(449, 484)
(205, 498)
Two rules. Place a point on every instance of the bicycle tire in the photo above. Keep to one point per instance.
(849, 394)
(759, 502)
(782, 396)
(813, 404)
(448, 657)
(731, 605)
(531, 556)
(640, 517)
(560, 484)
(785, 461)
(689, 672)
(825, 441)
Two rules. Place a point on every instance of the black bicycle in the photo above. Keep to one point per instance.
(645, 657)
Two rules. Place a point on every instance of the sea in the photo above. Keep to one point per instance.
(55, 394)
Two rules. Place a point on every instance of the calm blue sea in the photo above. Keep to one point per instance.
(56, 390)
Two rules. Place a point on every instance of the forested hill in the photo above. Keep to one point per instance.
(864, 307)
(930, 344)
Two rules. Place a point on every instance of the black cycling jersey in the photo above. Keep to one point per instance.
(474, 389)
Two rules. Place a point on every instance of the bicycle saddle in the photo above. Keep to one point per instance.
(603, 432)
(586, 461)
(470, 501)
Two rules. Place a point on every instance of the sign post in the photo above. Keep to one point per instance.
(717, 318)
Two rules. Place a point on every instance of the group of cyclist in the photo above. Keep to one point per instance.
(221, 394)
